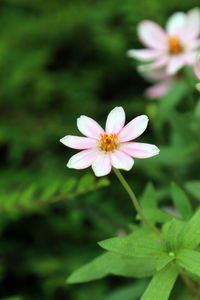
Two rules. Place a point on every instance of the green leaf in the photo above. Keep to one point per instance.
(194, 188)
(136, 245)
(85, 182)
(172, 232)
(174, 96)
(162, 283)
(116, 264)
(190, 234)
(181, 201)
(130, 292)
(68, 186)
(148, 199)
(190, 260)
(164, 260)
(155, 215)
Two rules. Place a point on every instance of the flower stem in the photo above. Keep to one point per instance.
(134, 200)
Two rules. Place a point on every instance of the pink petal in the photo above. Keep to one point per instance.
(197, 68)
(83, 159)
(193, 24)
(144, 54)
(79, 142)
(139, 150)
(190, 58)
(152, 35)
(89, 127)
(115, 120)
(193, 45)
(102, 165)
(160, 62)
(133, 129)
(176, 23)
(121, 160)
(175, 63)
(158, 90)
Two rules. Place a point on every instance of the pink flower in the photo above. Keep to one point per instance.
(112, 147)
(174, 47)
(162, 83)
(197, 68)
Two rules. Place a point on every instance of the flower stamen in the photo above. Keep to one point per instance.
(175, 46)
(108, 142)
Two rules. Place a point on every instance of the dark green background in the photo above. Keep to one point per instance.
(58, 60)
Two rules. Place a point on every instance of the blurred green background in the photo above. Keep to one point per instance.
(58, 60)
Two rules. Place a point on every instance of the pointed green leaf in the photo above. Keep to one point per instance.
(116, 264)
(155, 215)
(148, 199)
(190, 234)
(134, 245)
(194, 188)
(164, 260)
(172, 232)
(181, 201)
(162, 283)
(130, 292)
(190, 260)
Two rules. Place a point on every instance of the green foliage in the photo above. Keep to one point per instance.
(189, 260)
(181, 201)
(162, 283)
(112, 263)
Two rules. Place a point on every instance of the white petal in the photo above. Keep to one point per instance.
(144, 54)
(152, 35)
(197, 68)
(115, 120)
(121, 160)
(83, 159)
(89, 127)
(175, 63)
(176, 23)
(139, 150)
(160, 62)
(193, 23)
(102, 165)
(133, 129)
(79, 142)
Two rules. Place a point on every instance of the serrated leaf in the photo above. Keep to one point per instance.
(181, 201)
(134, 245)
(190, 260)
(190, 234)
(194, 188)
(162, 283)
(116, 264)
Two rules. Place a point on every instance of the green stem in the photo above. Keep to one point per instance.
(134, 200)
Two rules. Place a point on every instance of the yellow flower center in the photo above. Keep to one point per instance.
(175, 46)
(108, 142)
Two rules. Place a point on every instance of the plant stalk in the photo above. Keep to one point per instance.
(134, 200)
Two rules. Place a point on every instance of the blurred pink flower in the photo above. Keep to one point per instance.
(197, 68)
(162, 83)
(174, 47)
(112, 147)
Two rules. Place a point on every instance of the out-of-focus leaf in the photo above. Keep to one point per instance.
(181, 201)
(189, 260)
(194, 188)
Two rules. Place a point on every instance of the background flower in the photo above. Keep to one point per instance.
(174, 47)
